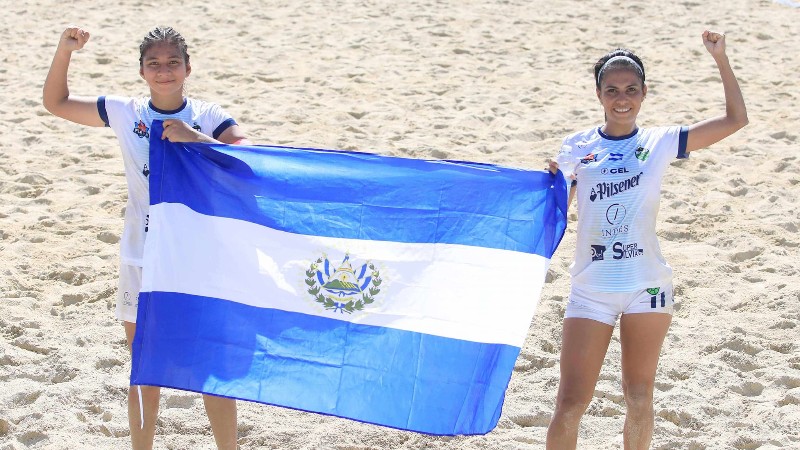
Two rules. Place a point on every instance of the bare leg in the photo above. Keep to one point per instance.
(221, 413)
(141, 435)
(641, 336)
(583, 348)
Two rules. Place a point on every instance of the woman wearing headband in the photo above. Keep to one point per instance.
(618, 269)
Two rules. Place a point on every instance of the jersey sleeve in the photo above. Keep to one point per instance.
(113, 109)
(218, 120)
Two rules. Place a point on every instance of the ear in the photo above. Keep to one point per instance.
(188, 69)
(141, 72)
(597, 91)
(644, 91)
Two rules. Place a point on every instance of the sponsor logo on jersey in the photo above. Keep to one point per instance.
(607, 190)
(141, 129)
(589, 158)
(614, 170)
(642, 154)
(145, 170)
(626, 251)
(615, 215)
(597, 252)
(197, 127)
(614, 231)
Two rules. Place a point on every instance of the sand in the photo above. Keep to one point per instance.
(497, 82)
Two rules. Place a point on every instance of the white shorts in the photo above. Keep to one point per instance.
(130, 283)
(606, 307)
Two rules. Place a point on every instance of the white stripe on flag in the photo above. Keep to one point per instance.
(456, 291)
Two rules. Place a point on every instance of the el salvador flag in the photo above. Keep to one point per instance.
(386, 290)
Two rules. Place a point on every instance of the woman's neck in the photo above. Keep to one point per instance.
(618, 129)
(166, 103)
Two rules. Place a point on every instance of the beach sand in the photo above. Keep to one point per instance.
(496, 82)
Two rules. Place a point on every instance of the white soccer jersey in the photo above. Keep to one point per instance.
(130, 118)
(618, 193)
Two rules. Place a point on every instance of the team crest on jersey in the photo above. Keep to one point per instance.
(141, 129)
(642, 154)
(653, 291)
(343, 289)
(589, 158)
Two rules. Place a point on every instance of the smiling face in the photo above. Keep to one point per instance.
(165, 69)
(621, 93)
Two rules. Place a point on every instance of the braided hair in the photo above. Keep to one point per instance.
(167, 35)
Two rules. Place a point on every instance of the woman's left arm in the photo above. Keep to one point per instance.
(234, 135)
(710, 131)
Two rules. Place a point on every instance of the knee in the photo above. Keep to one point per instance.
(571, 405)
(638, 396)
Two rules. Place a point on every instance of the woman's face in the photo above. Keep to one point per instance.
(621, 93)
(164, 69)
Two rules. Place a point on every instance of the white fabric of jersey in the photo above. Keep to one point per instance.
(130, 118)
(618, 194)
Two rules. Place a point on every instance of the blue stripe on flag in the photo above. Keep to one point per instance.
(363, 196)
(379, 375)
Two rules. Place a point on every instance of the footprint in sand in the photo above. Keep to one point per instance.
(744, 255)
(531, 420)
(747, 443)
(681, 419)
(736, 344)
(180, 401)
(739, 361)
(790, 399)
(749, 389)
(108, 363)
(32, 438)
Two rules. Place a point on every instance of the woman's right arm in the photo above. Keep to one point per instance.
(55, 94)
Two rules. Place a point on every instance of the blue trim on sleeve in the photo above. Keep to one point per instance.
(101, 109)
(222, 127)
(683, 137)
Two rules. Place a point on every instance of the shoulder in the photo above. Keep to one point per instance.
(671, 131)
(115, 107)
(118, 103)
(121, 99)
(202, 105)
(579, 142)
(583, 135)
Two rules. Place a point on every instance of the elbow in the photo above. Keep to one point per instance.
(737, 120)
(50, 105)
(742, 121)
(745, 121)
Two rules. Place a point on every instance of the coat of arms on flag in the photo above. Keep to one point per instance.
(342, 288)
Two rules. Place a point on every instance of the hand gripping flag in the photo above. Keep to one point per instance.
(386, 290)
